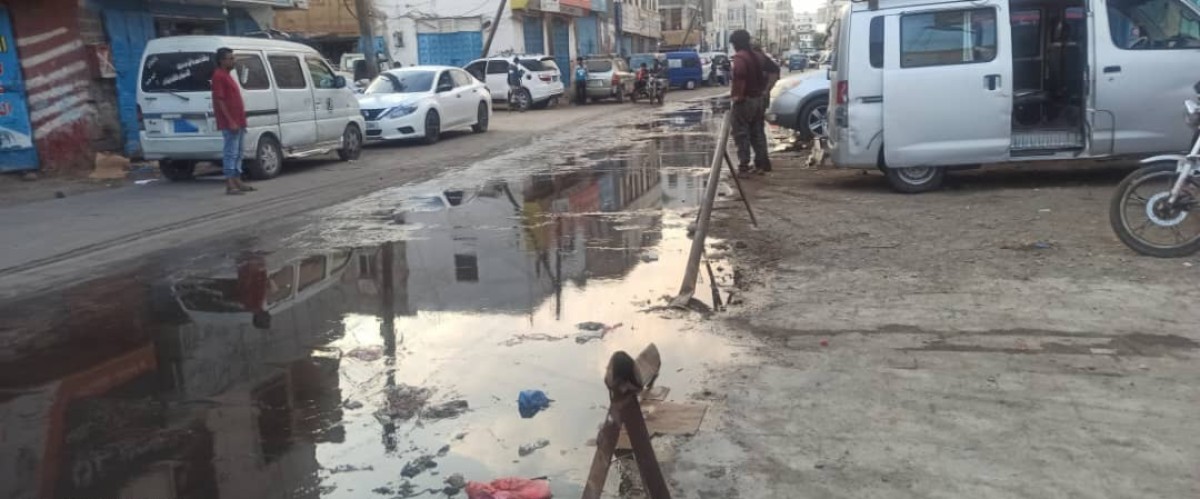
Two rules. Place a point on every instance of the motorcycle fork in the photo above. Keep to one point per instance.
(1184, 171)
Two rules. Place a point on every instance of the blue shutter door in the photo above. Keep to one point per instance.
(587, 35)
(128, 31)
(449, 49)
(16, 135)
(560, 45)
(534, 36)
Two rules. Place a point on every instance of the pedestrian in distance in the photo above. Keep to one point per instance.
(581, 77)
(231, 121)
(749, 85)
(515, 91)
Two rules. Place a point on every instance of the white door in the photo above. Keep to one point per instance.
(328, 104)
(497, 79)
(297, 122)
(448, 100)
(947, 85)
(467, 94)
(1146, 55)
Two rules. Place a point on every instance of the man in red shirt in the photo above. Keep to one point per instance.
(231, 120)
(752, 72)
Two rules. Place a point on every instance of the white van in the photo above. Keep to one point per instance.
(921, 85)
(295, 105)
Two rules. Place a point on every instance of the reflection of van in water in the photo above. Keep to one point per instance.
(295, 105)
(919, 85)
(684, 69)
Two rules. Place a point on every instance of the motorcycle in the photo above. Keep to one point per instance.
(1151, 212)
(654, 90)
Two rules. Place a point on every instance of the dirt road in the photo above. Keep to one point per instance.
(990, 340)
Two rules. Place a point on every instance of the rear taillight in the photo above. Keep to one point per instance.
(842, 96)
(616, 80)
(140, 118)
(545, 77)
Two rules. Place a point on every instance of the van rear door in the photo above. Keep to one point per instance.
(947, 85)
(176, 94)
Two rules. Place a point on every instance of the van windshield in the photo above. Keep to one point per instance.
(178, 72)
(401, 82)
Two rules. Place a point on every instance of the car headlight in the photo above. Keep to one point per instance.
(399, 111)
(782, 86)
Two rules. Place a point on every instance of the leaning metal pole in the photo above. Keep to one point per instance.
(710, 194)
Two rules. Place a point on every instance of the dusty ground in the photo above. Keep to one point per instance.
(993, 339)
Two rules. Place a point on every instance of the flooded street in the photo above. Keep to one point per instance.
(377, 347)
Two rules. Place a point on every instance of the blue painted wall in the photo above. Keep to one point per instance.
(587, 35)
(449, 49)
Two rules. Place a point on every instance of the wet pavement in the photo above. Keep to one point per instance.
(377, 347)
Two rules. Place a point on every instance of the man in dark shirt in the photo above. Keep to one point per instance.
(751, 77)
(231, 121)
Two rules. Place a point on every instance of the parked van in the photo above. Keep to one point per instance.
(922, 85)
(684, 69)
(296, 106)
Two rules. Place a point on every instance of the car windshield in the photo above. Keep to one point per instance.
(536, 65)
(598, 66)
(178, 72)
(402, 82)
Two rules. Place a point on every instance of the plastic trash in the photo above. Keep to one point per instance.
(531, 402)
(509, 488)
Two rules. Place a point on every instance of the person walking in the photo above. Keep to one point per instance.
(230, 114)
(514, 85)
(746, 92)
(581, 77)
(771, 73)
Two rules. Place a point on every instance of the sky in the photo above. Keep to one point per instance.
(806, 5)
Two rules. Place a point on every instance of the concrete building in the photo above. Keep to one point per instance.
(804, 29)
(741, 14)
(682, 23)
(638, 25)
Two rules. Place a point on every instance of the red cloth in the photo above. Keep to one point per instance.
(748, 74)
(226, 91)
(509, 488)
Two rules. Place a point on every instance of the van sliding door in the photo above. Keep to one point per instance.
(947, 85)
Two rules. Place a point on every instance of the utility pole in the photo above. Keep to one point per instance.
(366, 33)
(492, 34)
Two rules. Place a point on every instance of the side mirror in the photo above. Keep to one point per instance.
(339, 81)
(445, 87)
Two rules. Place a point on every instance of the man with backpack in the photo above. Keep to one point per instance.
(753, 75)
(514, 85)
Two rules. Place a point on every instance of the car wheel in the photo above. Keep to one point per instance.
(433, 127)
(481, 119)
(915, 179)
(691, 84)
(813, 119)
(268, 159)
(176, 170)
(352, 142)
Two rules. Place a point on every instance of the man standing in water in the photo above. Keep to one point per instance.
(231, 121)
(747, 93)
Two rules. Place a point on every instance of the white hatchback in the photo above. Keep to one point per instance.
(424, 101)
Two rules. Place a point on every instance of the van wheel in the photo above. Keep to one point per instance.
(352, 143)
(691, 84)
(176, 170)
(268, 159)
(916, 179)
(481, 119)
(433, 127)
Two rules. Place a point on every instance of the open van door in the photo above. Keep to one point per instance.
(947, 85)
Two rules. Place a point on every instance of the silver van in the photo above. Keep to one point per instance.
(918, 86)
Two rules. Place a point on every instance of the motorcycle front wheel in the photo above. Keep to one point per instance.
(1144, 220)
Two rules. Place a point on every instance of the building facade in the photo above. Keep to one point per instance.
(638, 25)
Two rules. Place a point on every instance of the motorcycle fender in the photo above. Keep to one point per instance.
(1177, 158)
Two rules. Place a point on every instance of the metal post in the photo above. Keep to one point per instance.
(745, 200)
(487, 46)
(714, 176)
(367, 36)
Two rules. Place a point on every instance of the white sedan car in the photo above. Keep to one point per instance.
(424, 101)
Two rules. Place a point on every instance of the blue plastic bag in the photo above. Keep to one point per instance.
(531, 402)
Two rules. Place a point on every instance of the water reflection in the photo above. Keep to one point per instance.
(253, 371)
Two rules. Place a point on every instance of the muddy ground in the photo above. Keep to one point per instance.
(994, 339)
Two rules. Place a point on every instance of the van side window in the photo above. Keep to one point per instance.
(286, 69)
(947, 37)
(1152, 25)
(497, 67)
(251, 73)
(691, 63)
(876, 42)
(322, 76)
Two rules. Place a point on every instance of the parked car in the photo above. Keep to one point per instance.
(1068, 81)
(684, 69)
(797, 62)
(542, 84)
(800, 102)
(296, 106)
(608, 78)
(423, 102)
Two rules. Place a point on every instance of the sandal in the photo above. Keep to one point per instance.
(246, 188)
(233, 192)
